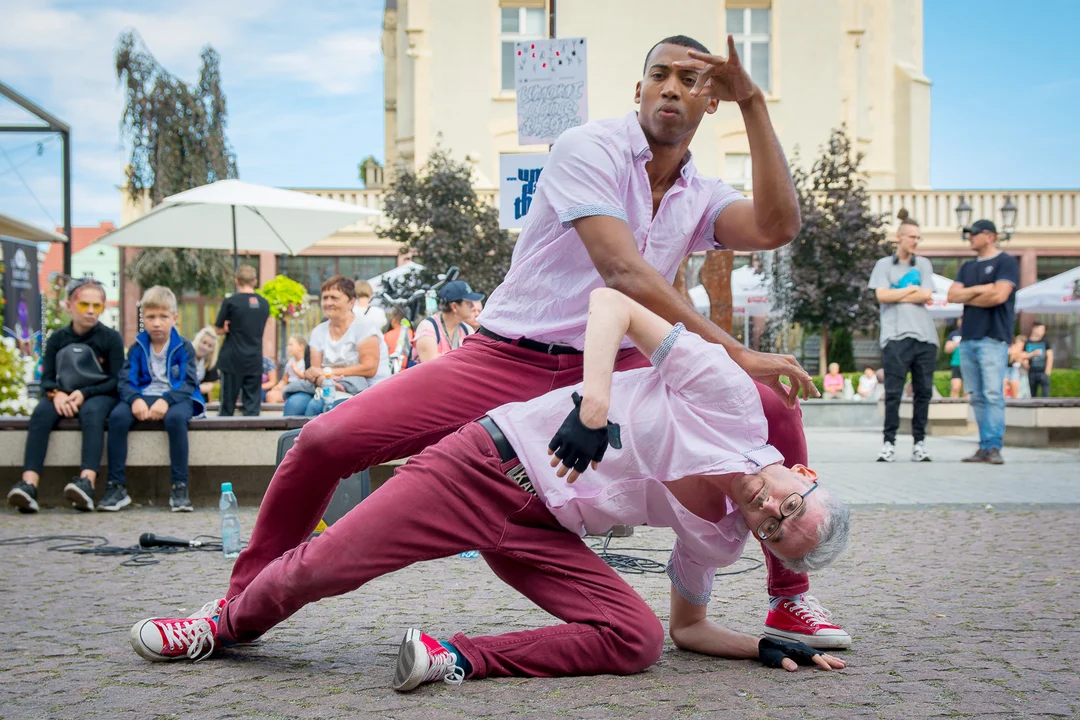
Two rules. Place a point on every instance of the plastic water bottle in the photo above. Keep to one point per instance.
(230, 522)
(469, 555)
(327, 389)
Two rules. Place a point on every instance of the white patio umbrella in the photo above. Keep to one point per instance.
(238, 216)
(939, 306)
(1059, 294)
(749, 294)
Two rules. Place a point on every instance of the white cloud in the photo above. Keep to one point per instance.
(60, 55)
(335, 64)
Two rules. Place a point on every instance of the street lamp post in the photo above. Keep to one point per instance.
(1008, 217)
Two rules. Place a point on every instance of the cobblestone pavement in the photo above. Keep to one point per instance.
(956, 612)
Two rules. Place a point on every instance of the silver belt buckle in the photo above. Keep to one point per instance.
(521, 477)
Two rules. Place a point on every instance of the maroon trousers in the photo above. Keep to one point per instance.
(413, 410)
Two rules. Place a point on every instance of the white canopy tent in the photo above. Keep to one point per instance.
(1059, 294)
(939, 306)
(378, 281)
(238, 216)
(749, 294)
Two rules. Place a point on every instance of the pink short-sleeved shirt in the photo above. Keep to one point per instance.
(597, 169)
(695, 412)
(426, 328)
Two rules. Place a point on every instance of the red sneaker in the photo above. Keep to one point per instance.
(423, 659)
(158, 639)
(806, 621)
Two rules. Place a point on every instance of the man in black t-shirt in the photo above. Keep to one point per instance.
(987, 288)
(241, 320)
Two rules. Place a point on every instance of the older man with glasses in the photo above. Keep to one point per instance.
(685, 447)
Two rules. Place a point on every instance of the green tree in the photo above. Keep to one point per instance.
(177, 138)
(842, 350)
(435, 215)
(820, 279)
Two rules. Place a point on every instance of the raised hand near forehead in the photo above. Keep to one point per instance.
(723, 78)
(577, 445)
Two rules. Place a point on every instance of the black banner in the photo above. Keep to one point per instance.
(22, 306)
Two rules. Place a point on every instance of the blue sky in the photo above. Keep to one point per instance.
(304, 87)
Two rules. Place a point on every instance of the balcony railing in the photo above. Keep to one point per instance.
(1042, 211)
(1037, 211)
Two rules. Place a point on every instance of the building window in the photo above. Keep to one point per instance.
(750, 29)
(518, 23)
(737, 171)
(1047, 267)
(312, 271)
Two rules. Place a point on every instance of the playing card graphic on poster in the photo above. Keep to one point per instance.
(552, 90)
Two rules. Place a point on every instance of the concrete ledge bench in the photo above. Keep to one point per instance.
(1042, 422)
(946, 416)
(819, 412)
(241, 450)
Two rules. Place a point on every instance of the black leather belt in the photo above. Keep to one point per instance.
(546, 348)
(506, 454)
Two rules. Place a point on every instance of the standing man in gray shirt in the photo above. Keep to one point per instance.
(903, 283)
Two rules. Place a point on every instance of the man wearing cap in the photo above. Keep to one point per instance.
(444, 331)
(987, 288)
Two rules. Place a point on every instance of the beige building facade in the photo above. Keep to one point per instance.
(822, 64)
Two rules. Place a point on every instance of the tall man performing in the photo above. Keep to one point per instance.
(987, 288)
(619, 204)
(903, 283)
(688, 451)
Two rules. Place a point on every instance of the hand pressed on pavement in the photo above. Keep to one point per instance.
(789, 655)
(577, 445)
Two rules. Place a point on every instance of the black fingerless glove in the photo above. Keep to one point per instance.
(577, 445)
(771, 651)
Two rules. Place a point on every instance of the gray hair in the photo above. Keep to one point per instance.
(833, 534)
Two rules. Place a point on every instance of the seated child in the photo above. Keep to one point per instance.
(159, 382)
(833, 383)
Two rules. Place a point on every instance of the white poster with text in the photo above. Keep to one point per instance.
(518, 175)
(552, 88)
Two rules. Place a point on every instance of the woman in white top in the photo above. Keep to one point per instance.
(364, 310)
(354, 350)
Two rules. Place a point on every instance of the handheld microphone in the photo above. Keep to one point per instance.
(149, 540)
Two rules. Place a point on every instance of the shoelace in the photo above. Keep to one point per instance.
(811, 610)
(209, 610)
(452, 675)
(197, 634)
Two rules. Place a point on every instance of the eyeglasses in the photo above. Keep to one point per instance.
(790, 506)
(84, 305)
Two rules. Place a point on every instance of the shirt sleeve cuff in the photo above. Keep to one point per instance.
(690, 597)
(566, 217)
(666, 344)
(716, 213)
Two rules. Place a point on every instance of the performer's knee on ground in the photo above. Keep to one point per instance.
(642, 643)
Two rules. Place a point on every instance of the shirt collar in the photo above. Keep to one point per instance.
(639, 146)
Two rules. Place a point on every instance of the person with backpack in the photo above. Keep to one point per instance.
(78, 380)
(444, 331)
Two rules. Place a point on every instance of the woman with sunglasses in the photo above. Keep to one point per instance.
(82, 385)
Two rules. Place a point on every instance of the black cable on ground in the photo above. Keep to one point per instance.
(634, 565)
(97, 545)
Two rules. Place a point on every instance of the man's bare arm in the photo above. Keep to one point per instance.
(771, 220)
(612, 315)
(614, 252)
(888, 296)
(691, 629)
(992, 295)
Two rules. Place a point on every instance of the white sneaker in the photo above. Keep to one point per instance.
(919, 454)
(421, 659)
(888, 452)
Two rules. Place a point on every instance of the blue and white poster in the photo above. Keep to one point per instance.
(518, 175)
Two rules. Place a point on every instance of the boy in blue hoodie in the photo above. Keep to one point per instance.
(158, 382)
